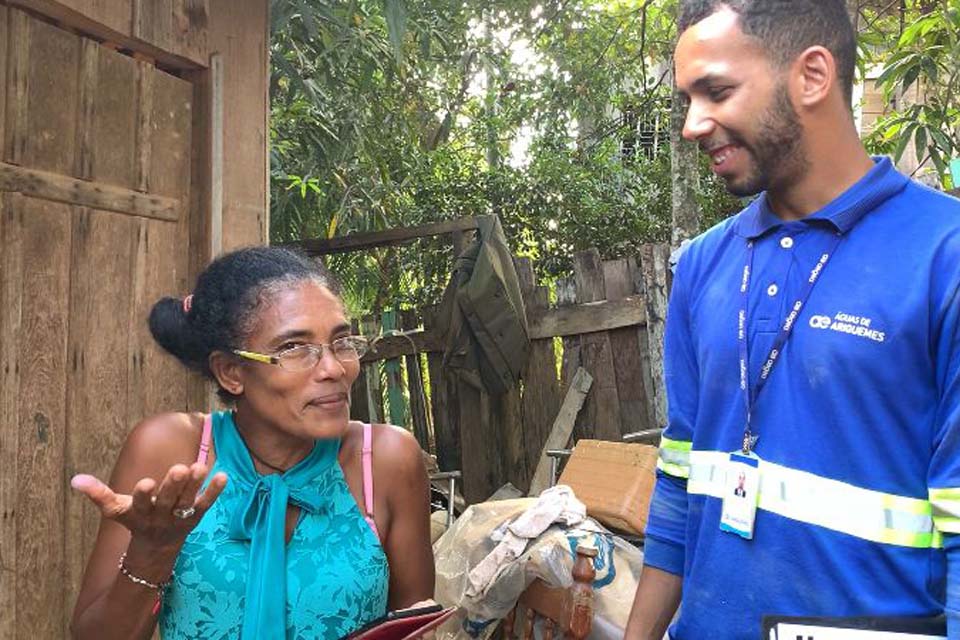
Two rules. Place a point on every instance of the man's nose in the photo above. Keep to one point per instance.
(698, 123)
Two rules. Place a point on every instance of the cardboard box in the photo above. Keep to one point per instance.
(614, 480)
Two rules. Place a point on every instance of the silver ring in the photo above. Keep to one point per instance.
(183, 514)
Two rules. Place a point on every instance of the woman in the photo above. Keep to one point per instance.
(298, 533)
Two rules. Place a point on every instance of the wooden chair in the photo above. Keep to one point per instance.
(567, 611)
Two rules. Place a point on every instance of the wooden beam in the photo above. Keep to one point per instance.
(390, 237)
(589, 317)
(81, 23)
(390, 347)
(58, 188)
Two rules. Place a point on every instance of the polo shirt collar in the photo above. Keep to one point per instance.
(843, 213)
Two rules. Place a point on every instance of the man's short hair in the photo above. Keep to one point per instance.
(785, 28)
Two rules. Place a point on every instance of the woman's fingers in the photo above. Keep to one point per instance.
(110, 504)
(172, 486)
(191, 487)
(212, 492)
(143, 493)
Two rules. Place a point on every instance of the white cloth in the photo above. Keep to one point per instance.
(556, 504)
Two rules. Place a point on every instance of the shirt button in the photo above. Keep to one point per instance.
(772, 290)
(786, 242)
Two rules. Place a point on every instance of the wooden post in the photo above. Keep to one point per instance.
(374, 395)
(418, 409)
(359, 407)
(397, 403)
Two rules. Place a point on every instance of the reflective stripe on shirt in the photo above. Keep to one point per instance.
(799, 495)
(946, 509)
(674, 457)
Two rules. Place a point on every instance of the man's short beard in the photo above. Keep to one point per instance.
(777, 152)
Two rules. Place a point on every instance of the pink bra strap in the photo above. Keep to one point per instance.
(366, 459)
(205, 439)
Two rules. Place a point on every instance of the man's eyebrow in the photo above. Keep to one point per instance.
(705, 81)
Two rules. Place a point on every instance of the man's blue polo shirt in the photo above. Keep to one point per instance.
(859, 423)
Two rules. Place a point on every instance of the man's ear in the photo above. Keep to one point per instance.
(228, 371)
(815, 76)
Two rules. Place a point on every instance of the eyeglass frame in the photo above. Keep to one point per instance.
(275, 359)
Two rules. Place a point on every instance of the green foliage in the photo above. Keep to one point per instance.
(927, 54)
(401, 112)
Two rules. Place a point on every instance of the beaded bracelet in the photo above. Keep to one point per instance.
(159, 587)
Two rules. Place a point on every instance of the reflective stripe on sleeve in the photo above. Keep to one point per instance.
(871, 515)
(674, 457)
(946, 509)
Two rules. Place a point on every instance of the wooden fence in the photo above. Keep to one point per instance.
(607, 318)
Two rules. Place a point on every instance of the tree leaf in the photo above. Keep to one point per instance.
(395, 12)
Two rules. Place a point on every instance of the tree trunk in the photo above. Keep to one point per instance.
(853, 8)
(684, 176)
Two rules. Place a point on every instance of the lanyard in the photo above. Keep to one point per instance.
(750, 395)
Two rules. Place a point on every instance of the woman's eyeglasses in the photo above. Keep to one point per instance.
(306, 356)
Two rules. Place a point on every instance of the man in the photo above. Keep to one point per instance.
(813, 345)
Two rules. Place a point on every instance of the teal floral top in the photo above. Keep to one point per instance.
(235, 578)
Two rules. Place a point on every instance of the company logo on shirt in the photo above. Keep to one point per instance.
(859, 326)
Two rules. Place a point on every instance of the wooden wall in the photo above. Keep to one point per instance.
(106, 125)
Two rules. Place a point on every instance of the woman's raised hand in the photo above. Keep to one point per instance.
(158, 516)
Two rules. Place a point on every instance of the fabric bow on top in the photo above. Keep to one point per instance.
(261, 519)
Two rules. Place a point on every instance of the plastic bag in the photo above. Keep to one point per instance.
(548, 557)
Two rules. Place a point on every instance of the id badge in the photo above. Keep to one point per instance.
(741, 495)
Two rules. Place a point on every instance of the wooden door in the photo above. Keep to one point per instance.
(94, 207)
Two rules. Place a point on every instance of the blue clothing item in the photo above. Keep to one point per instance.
(865, 398)
(235, 577)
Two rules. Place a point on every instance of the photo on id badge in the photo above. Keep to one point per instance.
(740, 495)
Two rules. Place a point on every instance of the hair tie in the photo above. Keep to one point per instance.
(188, 303)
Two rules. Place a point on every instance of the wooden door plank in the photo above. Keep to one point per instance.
(170, 135)
(11, 298)
(97, 375)
(164, 378)
(17, 85)
(144, 128)
(114, 124)
(43, 357)
(5, 38)
(89, 72)
(178, 26)
(52, 99)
